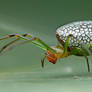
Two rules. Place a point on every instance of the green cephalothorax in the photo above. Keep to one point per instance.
(74, 39)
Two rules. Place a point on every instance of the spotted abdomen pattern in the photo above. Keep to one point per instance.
(82, 30)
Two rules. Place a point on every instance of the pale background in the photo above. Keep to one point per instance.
(20, 69)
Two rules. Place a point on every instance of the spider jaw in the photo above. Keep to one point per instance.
(52, 57)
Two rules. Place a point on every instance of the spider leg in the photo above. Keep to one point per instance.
(13, 35)
(66, 46)
(84, 47)
(17, 39)
(42, 61)
(87, 63)
(36, 41)
(5, 46)
(10, 36)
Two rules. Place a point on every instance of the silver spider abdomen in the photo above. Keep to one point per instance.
(82, 30)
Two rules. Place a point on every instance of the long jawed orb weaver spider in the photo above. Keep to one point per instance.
(74, 39)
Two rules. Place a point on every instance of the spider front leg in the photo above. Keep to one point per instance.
(17, 39)
(10, 36)
(34, 40)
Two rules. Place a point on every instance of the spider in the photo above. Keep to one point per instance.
(74, 39)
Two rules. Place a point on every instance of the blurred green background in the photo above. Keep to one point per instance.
(20, 69)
